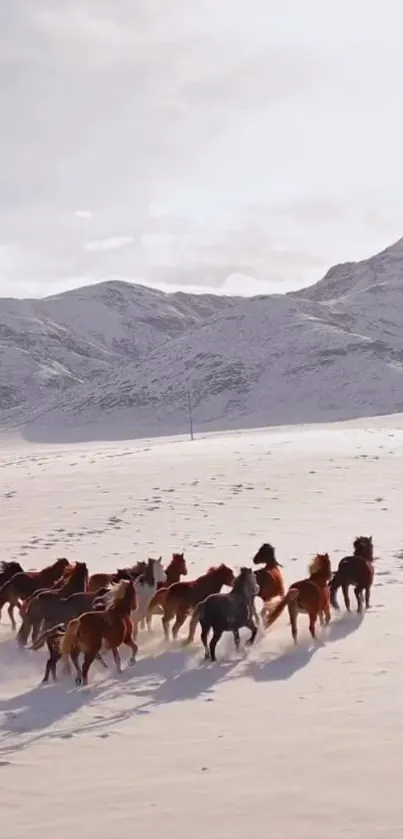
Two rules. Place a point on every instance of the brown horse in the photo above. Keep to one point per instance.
(110, 628)
(176, 569)
(7, 571)
(356, 570)
(181, 598)
(43, 605)
(25, 583)
(100, 580)
(270, 578)
(53, 639)
(310, 596)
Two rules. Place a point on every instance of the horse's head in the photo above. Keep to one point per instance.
(63, 566)
(363, 547)
(266, 555)
(179, 563)
(247, 581)
(81, 572)
(157, 569)
(224, 574)
(321, 566)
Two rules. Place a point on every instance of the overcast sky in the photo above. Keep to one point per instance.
(185, 140)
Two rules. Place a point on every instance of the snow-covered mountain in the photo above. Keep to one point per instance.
(47, 346)
(332, 351)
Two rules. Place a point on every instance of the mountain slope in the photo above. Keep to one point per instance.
(334, 351)
(47, 346)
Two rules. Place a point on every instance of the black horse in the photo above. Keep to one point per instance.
(228, 612)
(7, 571)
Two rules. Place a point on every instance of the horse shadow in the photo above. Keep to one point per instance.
(295, 658)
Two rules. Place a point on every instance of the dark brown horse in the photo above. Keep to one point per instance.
(181, 598)
(99, 580)
(25, 583)
(43, 606)
(356, 570)
(7, 571)
(270, 578)
(176, 569)
(110, 628)
(310, 596)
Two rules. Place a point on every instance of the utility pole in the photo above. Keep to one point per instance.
(190, 414)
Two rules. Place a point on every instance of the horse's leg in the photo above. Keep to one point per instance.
(181, 616)
(169, 613)
(134, 648)
(88, 659)
(204, 640)
(117, 658)
(346, 596)
(214, 641)
(313, 616)
(367, 597)
(255, 614)
(254, 630)
(74, 653)
(293, 613)
(358, 594)
(11, 606)
(55, 656)
(192, 628)
(237, 639)
(102, 661)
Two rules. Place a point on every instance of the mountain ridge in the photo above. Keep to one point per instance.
(332, 351)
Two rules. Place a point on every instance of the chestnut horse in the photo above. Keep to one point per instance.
(357, 571)
(43, 605)
(100, 580)
(25, 583)
(7, 571)
(176, 569)
(270, 578)
(53, 640)
(310, 596)
(110, 628)
(181, 598)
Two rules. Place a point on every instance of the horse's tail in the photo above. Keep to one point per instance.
(285, 601)
(70, 638)
(5, 593)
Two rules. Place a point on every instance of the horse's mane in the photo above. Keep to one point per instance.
(320, 563)
(115, 593)
(8, 565)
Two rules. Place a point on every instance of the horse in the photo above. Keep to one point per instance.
(7, 571)
(43, 606)
(270, 579)
(176, 569)
(53, 638)
(226, 613)
(110, 627)
(145, 586)
(310, 596)
(65, 609)
(356, 570)
(181, 598)
(99, 580)
(25, 583)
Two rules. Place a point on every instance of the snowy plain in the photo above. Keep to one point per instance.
(274, 742)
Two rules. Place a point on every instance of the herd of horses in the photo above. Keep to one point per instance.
(75, 613)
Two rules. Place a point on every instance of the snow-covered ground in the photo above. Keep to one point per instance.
(275, 742)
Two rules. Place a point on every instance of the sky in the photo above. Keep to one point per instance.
(240, 147)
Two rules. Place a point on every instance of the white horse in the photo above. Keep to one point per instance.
(145, 586)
